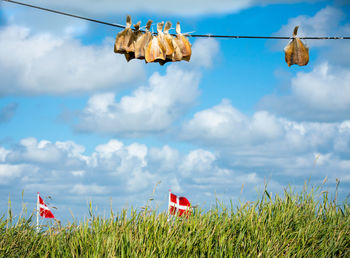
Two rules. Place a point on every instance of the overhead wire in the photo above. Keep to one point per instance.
(189, 35)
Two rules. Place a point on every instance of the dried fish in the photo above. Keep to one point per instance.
(156, 51)
(183, 43)
(296, 52)
(123, 37)
(130, 46)
(142, 42)
(173, 52)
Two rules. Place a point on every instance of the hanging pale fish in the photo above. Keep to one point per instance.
(167, 40)
(123, 37)
(130, 46)
(173, 51)
(296, 52)
(142, 42)
(183, 43)
(156, 51)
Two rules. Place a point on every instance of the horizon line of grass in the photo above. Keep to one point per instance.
(297, 224)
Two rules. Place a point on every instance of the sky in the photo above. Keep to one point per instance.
(79, 123)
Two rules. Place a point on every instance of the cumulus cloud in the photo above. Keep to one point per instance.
(264, 145)
(319, 95)
(325, 88)
(152, 108)
(149, 109)
(204, 52)
(115, 169)
(128, 172)
(92, 189)
(46, 153)
(224, 124)
(41, 63)
(9, 172)
(262, 133)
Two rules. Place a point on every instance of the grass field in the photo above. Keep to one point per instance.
(306, 224)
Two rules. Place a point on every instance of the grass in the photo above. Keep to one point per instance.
(306, 224)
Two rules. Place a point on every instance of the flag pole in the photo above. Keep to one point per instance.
(169, 202)
(37, 213)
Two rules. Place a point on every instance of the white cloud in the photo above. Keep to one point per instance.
(325, 88)
(88, 189)
(148, 109)
(3, 154)
(140, 180)
(164, 159)
(205, 51)
(320, 95)
(198, 161)
(35, 64)
(224, 124)
(225, 128)
(128, 173)
(10, 172)
(78, 173)
(47, 153)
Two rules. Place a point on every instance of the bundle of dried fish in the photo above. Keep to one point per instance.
(296, 52)
(141, 43)
(183, 43)
(156, 51)
(162, 48)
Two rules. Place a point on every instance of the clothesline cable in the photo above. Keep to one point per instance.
(189, 35)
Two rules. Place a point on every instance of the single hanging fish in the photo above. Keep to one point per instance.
(296, 52)
(183, 43)
(123, 38)
(173, 51)
(130, 46)
(142, 42)
(156, 51)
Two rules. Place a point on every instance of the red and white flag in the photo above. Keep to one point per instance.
(179, 205)
(44, 211)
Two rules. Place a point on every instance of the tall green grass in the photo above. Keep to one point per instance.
(306, 224)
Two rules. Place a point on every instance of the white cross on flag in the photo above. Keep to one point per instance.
(179, 205)
(44, 210)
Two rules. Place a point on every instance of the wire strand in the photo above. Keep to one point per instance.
(188, 35)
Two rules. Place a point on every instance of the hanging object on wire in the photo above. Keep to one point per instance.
(160, 48)
(156, 51)
(173, 51)
(130, 46)
(183, 44)
(296, 52)
(141, 42)
(123, 38)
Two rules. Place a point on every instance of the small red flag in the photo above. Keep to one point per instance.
(179, 205)
(44, 210)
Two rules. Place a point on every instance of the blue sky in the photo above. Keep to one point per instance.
(79, 123)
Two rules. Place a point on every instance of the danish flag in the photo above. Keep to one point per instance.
(179, 205)
(43, 209)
